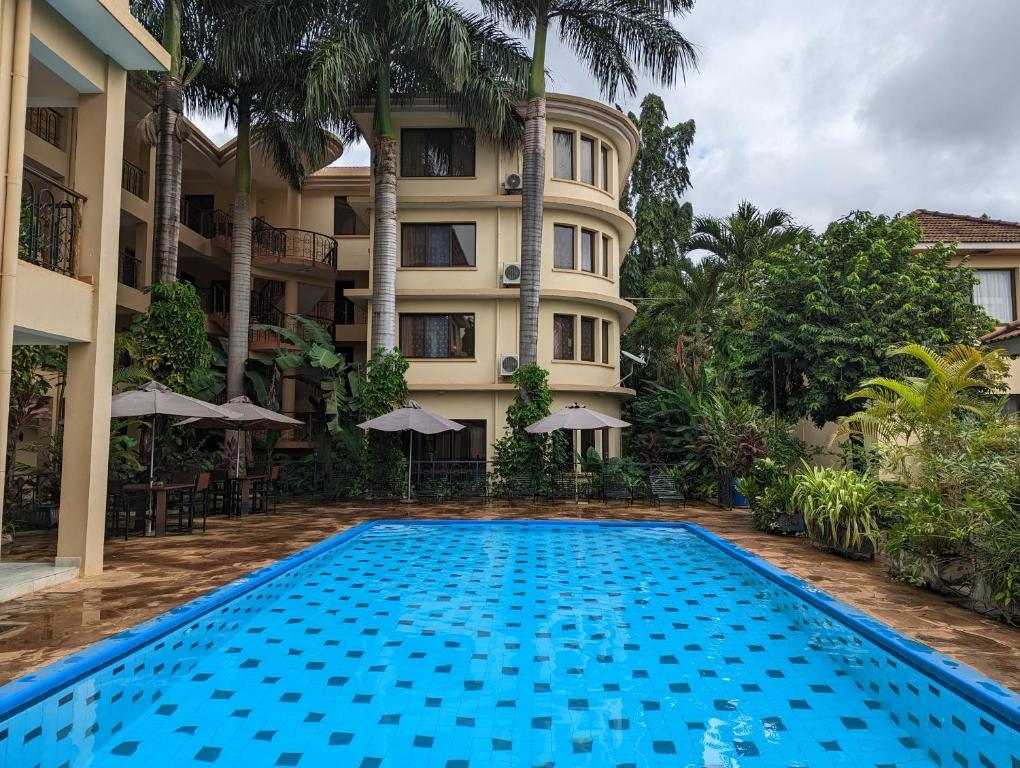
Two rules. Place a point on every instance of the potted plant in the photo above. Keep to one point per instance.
(769, 490)
(839, 508)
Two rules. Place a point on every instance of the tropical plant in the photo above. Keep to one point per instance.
(839, 507)
(519, 453)
(609, 37)
(380, 51)
(168, 342)
(743, 237)
(914, 413)
(729, 434)
(256, 75)
(819, 316)
(653, 196)
(769, 487)
(677, 319)
(178, 26)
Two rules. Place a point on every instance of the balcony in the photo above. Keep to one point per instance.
(292, 250)
(266, 341)
(51, 216)
(296, 437)
(129, 268)
(47, 124)
(212, 224)
(349, 319)
(132, 179)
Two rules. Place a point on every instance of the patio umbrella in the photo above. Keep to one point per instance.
(241, 414)
(575, 416)
(416, 419)
(155, 399)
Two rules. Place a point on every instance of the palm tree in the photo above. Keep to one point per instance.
(164, 127)
(382, 51)
(744, 236)
(257, 70)
(610, 36)
(681, 312)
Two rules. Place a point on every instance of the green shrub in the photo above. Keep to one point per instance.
(839, 506)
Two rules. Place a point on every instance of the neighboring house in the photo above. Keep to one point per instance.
(992, 247)
(78, 272)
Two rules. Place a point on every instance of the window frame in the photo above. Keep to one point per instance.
(448, 315)
(404, 225)
(605, 339)
(595, 144)
(1012, 292)
(587, 321)
(572, 338)
(357, 221)
(604, 164)
(573, 154)
(607, 256)
(573, 247)
(450, 130)
(592, 236)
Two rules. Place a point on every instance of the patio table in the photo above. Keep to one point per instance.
(160, 491)
(244, 503)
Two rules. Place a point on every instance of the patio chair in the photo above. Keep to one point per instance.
(664, 488)
(202, 495)
(272, 489)
(184, 498)
(522, 487)
(219, 492)
(564, 487)
(129, 512)
(616, 488)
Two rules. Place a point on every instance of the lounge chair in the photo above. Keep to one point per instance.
(664, 489)
(616, 488)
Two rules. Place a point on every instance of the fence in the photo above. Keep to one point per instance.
(50, 223)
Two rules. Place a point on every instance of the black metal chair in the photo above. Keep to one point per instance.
(616, 488)
(664, 488)
(522, 487)
(129, 512)
(564, 487)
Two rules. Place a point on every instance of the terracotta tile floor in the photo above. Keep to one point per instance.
(145, 577)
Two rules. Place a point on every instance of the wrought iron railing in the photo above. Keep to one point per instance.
(129, 268)
(210, 224)
(51, 217)
(132, 178)
(47, 124)
(298, 434)
(344, 312)
(277, 244)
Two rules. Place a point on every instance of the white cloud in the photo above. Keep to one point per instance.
(825, 107)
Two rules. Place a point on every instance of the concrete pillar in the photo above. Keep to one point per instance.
(15, 39)
(290, 306)
(97, 170)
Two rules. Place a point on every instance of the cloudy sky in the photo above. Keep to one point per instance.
(825, 107)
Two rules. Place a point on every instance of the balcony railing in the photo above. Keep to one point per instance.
(132, 178)
(129, 268)
(47, 124)
(344, 312)
(300, 247)
(210, 224)
(51, 217)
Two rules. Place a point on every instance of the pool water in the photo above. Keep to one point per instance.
(468, 645)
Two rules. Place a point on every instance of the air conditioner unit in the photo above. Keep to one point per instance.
(511, 273)
(513, 182)
(508, 364)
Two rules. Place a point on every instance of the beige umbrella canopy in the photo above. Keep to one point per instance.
(241, 414)
(155, 399)
(575, 416)
(416, 419)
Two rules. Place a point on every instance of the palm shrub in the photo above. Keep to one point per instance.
(839, 508)
(519, 453)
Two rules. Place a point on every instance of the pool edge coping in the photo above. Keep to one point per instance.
(966, 682)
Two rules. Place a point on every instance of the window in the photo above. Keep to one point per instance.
(587, 442)
(466, 445)
(563, 246)
(604, 176)
(437, 152)
(588, 339)
(994, 294)
(563, 337)
(563, 155)
(437, 336)
(605, 342)
(607, 259)
(345, 221)
(587, 250)
(437, 245)
(587, 160)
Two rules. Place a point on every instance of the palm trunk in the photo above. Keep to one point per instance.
(384, 236)
(240, 271)
(532, 202)
(169, 153)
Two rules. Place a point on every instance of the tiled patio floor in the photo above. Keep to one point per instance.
(145, 577)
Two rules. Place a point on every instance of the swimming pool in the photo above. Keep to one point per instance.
(511, 644)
